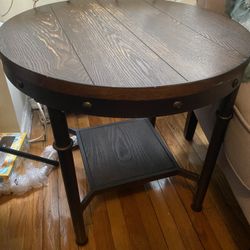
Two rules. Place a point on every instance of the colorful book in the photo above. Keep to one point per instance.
(7, 161)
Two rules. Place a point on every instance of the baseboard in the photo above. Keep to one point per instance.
(26, 123)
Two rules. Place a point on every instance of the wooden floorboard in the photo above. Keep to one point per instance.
(154, 216)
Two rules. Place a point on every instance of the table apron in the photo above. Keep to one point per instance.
(125, 108)
(129, 109)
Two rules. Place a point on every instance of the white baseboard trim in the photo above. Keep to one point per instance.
(26, 122)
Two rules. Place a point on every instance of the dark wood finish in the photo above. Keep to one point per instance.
(168, 38)
(224, 115)
(104, 38)
(44, 221)
(212, 26)
(85, 56)
(122, 153)
(143, 105)
(63, 145)
(55, 88)
(124, 58)
(152, 120)
(45, 47)
(190, 126)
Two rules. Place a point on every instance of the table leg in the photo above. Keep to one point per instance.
(190, 126)
(63, 145)
(224, 114)
(152, 120)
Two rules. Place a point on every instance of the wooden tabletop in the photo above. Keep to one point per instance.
(123, 49)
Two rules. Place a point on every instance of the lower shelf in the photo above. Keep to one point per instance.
(124, 152)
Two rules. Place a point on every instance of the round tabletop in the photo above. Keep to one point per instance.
(113, 51)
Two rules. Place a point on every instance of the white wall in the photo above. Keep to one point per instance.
(18, 100)
(13, 106)
(10, 112)
(8, 119)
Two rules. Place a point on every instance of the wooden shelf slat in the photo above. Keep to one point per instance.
(124, 152)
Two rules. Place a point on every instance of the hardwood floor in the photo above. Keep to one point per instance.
(154, 216)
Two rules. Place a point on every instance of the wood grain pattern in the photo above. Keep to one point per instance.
(119, 229)
(36, 234)
(112, 55)
(189, 53)
(51, 214)
(151, 225)
(188, 233)
(126, 51)
(167, 202)
(167, 222)
(66, 231)
(81, 121)
(17, 221)
(137, 232)
(40, 45)
(121, 50)
(122, 153)
(185, 159)
(210, 25)
(191, 156)
(102, 232)
(206, 233)
(214, 198)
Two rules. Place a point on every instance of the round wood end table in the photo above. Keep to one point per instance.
(125, 58)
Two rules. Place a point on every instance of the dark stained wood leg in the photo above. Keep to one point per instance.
(190, 126)
(224, 114)
(152, 120)
(63, 145)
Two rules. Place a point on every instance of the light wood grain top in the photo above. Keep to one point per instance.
(123, 44)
